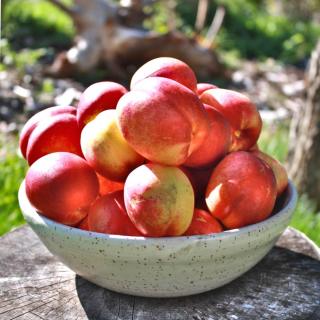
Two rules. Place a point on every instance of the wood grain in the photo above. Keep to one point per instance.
(34, 285)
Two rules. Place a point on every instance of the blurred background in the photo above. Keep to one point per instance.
(52, 50)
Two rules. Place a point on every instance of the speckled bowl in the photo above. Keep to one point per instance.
(160, 267)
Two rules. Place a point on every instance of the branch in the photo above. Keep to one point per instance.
(215, 26)
(68, 10)
(201, 15)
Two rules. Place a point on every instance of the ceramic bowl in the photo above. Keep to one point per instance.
(160, 267)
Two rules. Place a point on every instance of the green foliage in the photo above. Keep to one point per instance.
(36, 23)
(47, 86)
(12, 168)
(158, 21)
(250, 30)
(19, 60)
(306, 220)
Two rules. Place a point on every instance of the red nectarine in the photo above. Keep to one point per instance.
(61, 186)
(98, 97)
(166, 67)
(58, 133)
(242, 114)
(278, 169)
(216, 144)
(162, 120)
(203, 223)
(202, 87)
(242, 190)
(34, 120)
(108, 215)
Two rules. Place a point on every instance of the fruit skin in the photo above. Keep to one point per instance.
(216, 144)
(32, 123)
(202, 87)
(278, 169)
(108, 215)
(61, 186)
(105, 148)
(83, 225)
(107, 186)
(255, 147)
(242, 190)
(56, 134)
(242, 114)
(159, 200)
(98, 97)
(162, 120)
(166, 67)
(203, 223)
(199, 179)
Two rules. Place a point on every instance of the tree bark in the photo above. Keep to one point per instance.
(304, 148)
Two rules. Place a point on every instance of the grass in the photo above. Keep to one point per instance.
(12, 169)
(274, 141)
(306, 220)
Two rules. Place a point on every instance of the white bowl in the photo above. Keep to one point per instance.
(160, 267)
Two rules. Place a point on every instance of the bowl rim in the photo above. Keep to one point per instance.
(28, 210)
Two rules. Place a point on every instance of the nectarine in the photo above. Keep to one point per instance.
(242, 114)
(162, 120)
(61, 186)
(202, 87)
(159, 200)
(34, 120)
(107, 186)
(203, 223)
(108, 215)
(242, 190)
(83, 225)
(58, 133)
(278, 169)
(216, 144)
(98, 97)
(166, 67)
(105, 148)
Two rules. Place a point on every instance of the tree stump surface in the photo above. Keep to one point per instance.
(35, 285)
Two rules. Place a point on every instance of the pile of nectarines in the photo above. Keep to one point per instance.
(170, 157)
